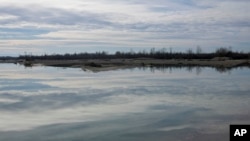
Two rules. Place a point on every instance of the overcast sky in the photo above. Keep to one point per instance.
(59, 26)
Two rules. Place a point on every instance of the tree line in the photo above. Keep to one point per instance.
(153, 53)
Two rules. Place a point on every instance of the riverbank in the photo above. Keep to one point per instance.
(113, 64)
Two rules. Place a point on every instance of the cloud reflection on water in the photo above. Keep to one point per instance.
(120, 105)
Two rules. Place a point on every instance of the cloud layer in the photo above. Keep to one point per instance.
(72, 26)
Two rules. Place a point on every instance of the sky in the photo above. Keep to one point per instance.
(69, 26)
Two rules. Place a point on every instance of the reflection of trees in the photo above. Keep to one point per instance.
(198, 69)
(223, 69)
(170, 69)
(189, 68)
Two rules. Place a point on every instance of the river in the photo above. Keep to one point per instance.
(140, 104)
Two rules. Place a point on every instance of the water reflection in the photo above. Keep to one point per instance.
(52, 104)
(196, 69)
(162, 68)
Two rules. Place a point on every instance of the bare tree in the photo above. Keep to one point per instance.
(198, 50)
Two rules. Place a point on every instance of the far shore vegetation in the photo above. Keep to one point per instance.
(222, 58)
(153, 53)
(163, 53)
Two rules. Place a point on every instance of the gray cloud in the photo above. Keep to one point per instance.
(43, 15)
(160, 23)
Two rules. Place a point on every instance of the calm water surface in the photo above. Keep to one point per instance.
(56, 104)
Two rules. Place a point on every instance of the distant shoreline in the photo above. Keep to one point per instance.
(103, 61)
(113, 64)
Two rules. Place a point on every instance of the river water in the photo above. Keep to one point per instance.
(149, 104)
